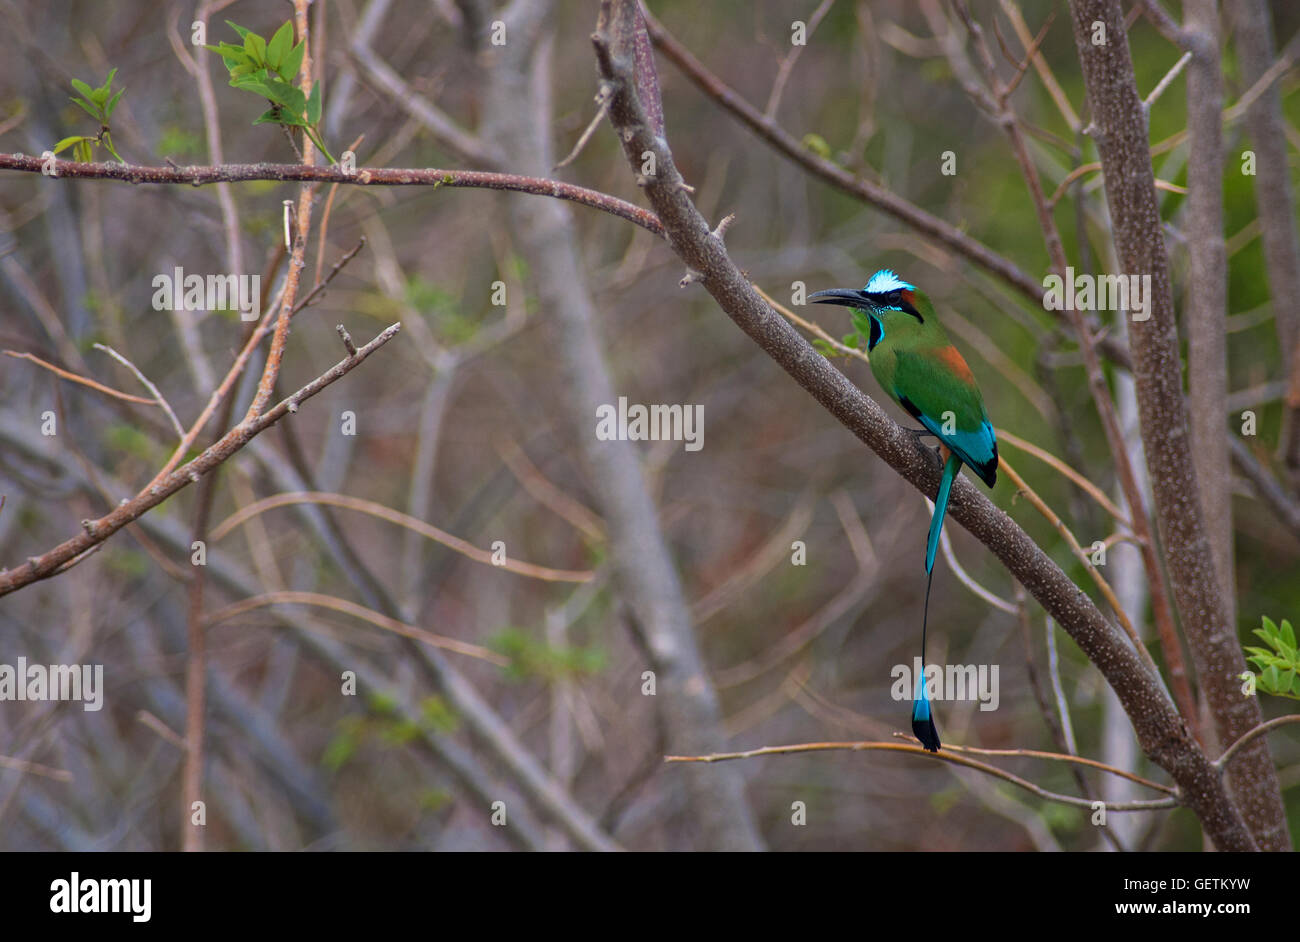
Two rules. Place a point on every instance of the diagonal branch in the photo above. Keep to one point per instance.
(1161, 608)
(95, 532)
(1160, 730)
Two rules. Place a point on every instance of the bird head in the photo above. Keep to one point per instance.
(884, 300)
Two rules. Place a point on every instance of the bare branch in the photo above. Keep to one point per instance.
(389, 176)
(148, 384)
(334, 603)
(949, 755)
(1122, 141)
(1161, 731)
(75, 378)
(97, 531)
(1253, 734)
(381, 512)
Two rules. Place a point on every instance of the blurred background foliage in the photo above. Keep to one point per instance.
(775, 467)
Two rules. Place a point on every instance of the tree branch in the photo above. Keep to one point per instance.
(951, 756)
(97, 531)
(1121, 132)
(1161, 731)
(384, 176)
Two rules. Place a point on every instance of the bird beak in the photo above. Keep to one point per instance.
(844, 297)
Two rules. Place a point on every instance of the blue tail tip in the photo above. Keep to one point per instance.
(926, 732)
(923, 727)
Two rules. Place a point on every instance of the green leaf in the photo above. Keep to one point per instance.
(277, 116)
(83, 89)
(66, 142)
(313, 106)
(1270, 678)
(1287, 634)
(1285, 682)
(255, 46)
(243, 33)
(112, 103)
(851, 340)
(108, 82)
(253, 83)
(280, 44)
(89, 109)
(229, 52)
(284, 94)
(293, 61)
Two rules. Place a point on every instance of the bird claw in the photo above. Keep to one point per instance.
(919, 433)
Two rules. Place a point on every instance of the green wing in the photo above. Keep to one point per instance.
(932, 389)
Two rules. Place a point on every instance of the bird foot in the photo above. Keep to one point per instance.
(919, 433)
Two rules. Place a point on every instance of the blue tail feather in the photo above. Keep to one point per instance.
(923, 727)
(950, 469)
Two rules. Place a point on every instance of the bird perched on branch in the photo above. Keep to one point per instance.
(919, 368)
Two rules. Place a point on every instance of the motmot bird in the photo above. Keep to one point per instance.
(919, 368)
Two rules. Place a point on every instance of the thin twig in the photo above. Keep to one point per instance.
(947, 755)
(319, 288)
(1161, 605)
(334, 603)
(790, 146)
(148, 384)
(1160, 729)
(145, 718)
(95, 532)
(586, 520)
(325, 216)
(1253, 734)
(945, 541)
(790, 58)
(1058, 691)
(1168, 79)
(1111, 599)
(602, 99)
(403, 520)
(1092, 490)
(35, 768)
(1068, 758)
(812, 328)
(74, 378)
(1041, 66)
